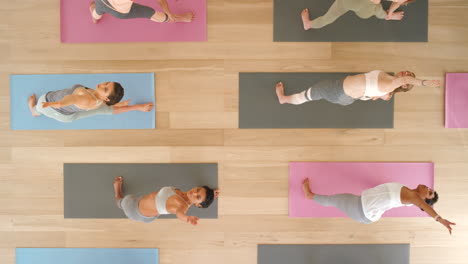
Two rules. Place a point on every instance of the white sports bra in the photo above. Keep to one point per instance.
(161, 199)
(372, 85)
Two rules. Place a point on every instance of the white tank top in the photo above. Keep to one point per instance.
(372, 85)
(376, 201)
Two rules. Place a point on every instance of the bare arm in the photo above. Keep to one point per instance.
(416, 200)
(165, 6)
(182, 216)
(398, 82)
(138, 107)
(394, 6)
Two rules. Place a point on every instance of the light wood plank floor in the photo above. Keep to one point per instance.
(197, 91)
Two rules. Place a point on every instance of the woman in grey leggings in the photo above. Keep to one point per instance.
(80, 102)
(167, 200)
(374, 202)
(345, 90)
(363, 8)
(126, 9)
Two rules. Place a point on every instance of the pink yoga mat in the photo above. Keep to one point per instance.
(77, 26)
(352, 177)
(456, 100)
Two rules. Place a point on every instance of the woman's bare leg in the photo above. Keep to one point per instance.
(118, 189)
(95, 16)
(296, 99)
(32, 105)
(161, 17)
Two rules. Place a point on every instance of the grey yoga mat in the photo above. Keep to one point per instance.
(259, 106)
(349, 27)
(89, 193)
(333, 254)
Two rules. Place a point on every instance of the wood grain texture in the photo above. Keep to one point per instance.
(197, 100)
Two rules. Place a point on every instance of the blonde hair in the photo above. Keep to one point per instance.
(401, 89)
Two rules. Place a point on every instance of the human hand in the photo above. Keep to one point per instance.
(192, 220)
(447, 224)
(51, 104)
(395, 16)
(431, 83)
(145, 107)
(216, 193)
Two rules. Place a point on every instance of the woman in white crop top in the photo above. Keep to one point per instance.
(374, 202)
(127, 9)
(345, 89)
(168, 200)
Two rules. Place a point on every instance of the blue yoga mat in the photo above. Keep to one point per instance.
(139, 87)
(87, 255)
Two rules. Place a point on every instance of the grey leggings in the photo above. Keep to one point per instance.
(52, 113)
(329, 90)
(363, 9)
(137, 11)
(129, 204)
(349, 204)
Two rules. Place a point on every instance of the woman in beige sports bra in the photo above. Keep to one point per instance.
(373, 85)
(167, 200)
(79, 102)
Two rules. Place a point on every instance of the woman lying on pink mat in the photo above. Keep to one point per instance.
(127, 9)
(374, 202)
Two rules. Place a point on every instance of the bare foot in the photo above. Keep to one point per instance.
(118, 189)
(32, 105)
(146, 107)
(280, 92)
(92, 8)
(305, 19)
(306, 189)
(186, 17)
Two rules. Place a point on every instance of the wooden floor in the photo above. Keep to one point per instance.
(197, 91)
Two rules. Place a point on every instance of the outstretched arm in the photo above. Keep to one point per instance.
(165, 8)
(397, 82)
(186, 218)
(394, 6)
(138, 107)
(416, 200)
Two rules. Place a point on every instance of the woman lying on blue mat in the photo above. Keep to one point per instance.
(79, 102)
(167, 200)
(374, 202)
(363, 9)
(126, 9)
(345, 90)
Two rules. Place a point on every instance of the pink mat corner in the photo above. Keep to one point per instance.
(76, 25)
(456, 100)
(352, 177)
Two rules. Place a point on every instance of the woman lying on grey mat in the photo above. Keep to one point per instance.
(374, 202)
(363, 9)
(79, 102)
(345, 90)
(167, 200)
(126, 9)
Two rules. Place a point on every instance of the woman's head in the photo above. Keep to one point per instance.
(202, 196)
(110, 92)
(405, 87)
(427, 194)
